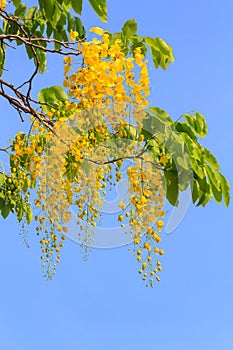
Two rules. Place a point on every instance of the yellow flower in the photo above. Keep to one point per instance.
(68, 59)
(160, 223)
(164, 160)
(121, 205)
(63, 119)
(50, 114)
(120, 218)
(162, 214)
(2, 4)
(37, 202)
(144, 265)
(141, 137)
(97, 30)
(157, 237)
(73, 35)
(66, 83)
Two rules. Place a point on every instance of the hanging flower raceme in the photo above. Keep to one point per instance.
(94, 137)
(107, 75)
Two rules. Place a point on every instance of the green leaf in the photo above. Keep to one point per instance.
(10, 28)
(214, 184)
(49, 30)
(70, 21)
(225, 187)
(42, 58)
(57, 36)
(79, 28)
(204, 199)
(160, 114)
(210, 158)
(153, 147)
(100, 7)
(201, 122)
(198, 168)
(162, 53)
(16, 2)
(2, 200)
(131, 132)
(203, 185)
(29, 52)
(193, 147)
(48, 7)
(77, 6)
(195, 191)
(56, 16)
(2, 59)
(2, 179)
(183, 127)
(212, 177)
(64, 35)
(197, 123)
(137, 42)
(183, 162)
(129, 28)
(113, 37)
(31, 13)
(60, 94)
(172, 189)
(6, 210)
(217, 194)
(51, 95)
(20, 10)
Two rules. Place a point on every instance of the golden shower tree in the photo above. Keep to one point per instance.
(84, 133)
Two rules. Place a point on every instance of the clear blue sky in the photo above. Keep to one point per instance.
(102, 303)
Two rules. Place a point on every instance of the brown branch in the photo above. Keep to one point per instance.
(66, 44)
(5, 149)
(23, 104)
(137, 156)
(8, 176)
(22, 96)
(30, 42)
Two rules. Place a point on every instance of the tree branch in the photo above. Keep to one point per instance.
(30, 42)
(22, 102)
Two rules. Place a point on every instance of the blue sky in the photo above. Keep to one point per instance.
(102, 303)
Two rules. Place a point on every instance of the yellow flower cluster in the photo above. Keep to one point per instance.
(26, 154)
(54, 199)
(2, 4)
(107, 75)
(145, 213)
(93, 137)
